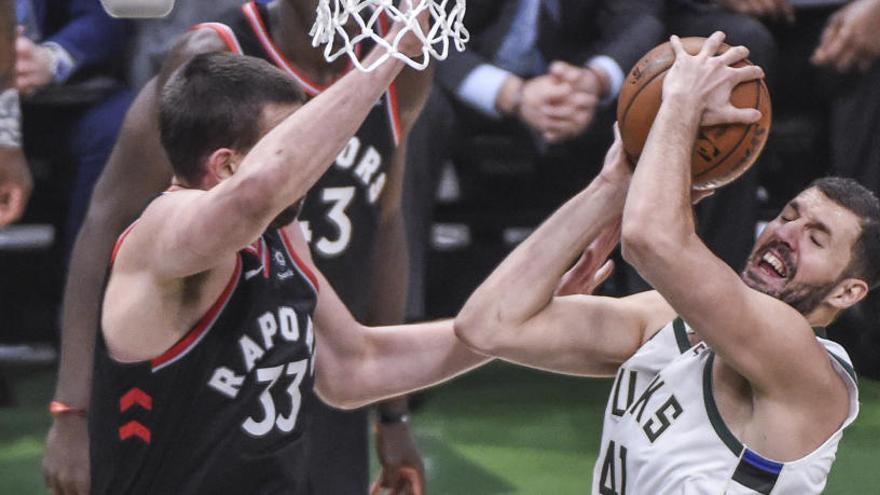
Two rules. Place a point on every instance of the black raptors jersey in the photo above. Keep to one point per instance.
(341, 212)
(226, 409)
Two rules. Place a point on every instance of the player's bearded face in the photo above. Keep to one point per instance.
(772, 269)
(804, 252)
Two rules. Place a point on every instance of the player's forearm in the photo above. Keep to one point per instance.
(523, 285)
(389, 275)
(658, 217)
(390, 269)
(291, 158)
(403, 359)
(80, 308)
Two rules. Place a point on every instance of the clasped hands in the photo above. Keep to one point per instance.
(560, 104)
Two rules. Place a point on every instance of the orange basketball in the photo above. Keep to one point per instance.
(723, 152)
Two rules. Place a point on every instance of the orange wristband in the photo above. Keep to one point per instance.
(58, 409)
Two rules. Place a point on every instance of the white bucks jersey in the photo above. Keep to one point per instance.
(663, 434)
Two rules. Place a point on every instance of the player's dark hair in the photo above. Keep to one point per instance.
(214, 101)
(864, 204)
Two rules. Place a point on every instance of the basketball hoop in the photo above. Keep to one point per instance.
(371, 16)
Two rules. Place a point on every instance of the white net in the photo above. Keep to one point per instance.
(366, 20)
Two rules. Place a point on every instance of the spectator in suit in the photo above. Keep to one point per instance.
(545, 72)
(70, 57)
(548, 63)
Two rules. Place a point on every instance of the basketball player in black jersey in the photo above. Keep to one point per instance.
(213, 311)
(353, 217)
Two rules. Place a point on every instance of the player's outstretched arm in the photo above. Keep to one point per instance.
(361, 364)
(763, 339)
(274, 174)
(515, 315)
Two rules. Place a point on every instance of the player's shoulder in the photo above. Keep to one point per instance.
(141, 235)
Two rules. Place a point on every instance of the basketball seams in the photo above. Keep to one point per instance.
(749, 131)
(635, 96)
(746, 131)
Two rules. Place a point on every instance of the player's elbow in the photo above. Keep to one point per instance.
(643, 239)
(477, 330)
(635, 243)
(339, 391)
(340, 400)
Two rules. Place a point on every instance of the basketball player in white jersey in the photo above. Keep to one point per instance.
(735, 393)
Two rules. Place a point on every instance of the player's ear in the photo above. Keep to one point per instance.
(847, 293)
(222, 164)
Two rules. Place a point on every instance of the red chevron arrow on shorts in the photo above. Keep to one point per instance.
(135, 396)
(134, 429)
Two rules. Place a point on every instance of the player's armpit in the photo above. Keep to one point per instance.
(579, 335)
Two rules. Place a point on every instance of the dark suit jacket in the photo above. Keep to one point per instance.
(621, 29)
(92, 37)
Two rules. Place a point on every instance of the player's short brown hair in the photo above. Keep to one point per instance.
(214, 101)
(858, 199)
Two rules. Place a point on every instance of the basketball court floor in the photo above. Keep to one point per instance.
(500, 430)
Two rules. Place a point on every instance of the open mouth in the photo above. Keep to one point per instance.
(775, 263)
(772, 264)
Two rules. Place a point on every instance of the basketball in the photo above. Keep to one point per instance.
(722, 152)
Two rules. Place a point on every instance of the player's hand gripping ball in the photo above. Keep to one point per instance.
(722, 152)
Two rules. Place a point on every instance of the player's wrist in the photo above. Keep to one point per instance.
(685, 104)
(60, 409)
(392, 417)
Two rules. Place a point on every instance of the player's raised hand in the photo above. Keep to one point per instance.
(593, 267)
(410, 39)
(617, 168)
(403, 472)
(707, 80)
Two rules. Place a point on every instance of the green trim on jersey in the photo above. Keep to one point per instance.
(681, 336)
(715, 418)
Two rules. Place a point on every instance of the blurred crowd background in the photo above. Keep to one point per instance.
(487, 160)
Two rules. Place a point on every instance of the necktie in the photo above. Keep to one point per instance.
(518, 52)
